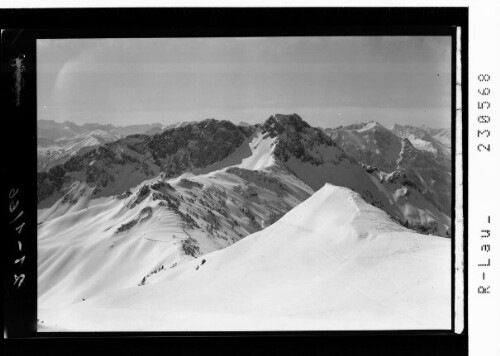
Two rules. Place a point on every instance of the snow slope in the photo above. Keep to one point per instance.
(255, 153)
(89, 246)
(333, 262)
(330, 164)
(262, 153)
(425, 161)
(80, 255)
(435, 141)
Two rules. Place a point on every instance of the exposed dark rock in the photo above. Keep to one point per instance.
(296, 137)
(190, 247)
(143, 215)
(173, 151)
(189, 184)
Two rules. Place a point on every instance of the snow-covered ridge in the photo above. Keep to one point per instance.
(310, 155)
(332, 263)
(426, 161)
(122, 164)
(159, 222)
(426, 139)
(283, 140)
(212, 226)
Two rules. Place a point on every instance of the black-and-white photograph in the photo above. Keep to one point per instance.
(245, 183)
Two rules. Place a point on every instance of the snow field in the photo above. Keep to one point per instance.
(333, 262)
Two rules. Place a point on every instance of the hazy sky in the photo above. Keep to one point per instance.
(328, 81)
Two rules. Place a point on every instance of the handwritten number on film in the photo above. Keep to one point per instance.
(18, 223)
(484, 133)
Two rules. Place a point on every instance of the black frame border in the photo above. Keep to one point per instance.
(19, 306)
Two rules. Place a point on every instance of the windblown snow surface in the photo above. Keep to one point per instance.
(90, 246)
(333, 262)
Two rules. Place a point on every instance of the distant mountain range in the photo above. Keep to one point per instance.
(57, 142)
(423, 155)
(149, 207)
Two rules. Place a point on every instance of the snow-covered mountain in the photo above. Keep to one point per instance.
(369, 143)
(159, 223)
(302, 151)
(57, 142)
(124, 213)
(440, 135)
(113, 168)
(435, 141)
(187, 216)
(332, 263)
(410, 151)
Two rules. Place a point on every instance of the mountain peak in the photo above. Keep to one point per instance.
(365, 126)
(372, 125)
(209, 124)
(279, 123)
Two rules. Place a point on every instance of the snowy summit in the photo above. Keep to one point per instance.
(276, 226)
